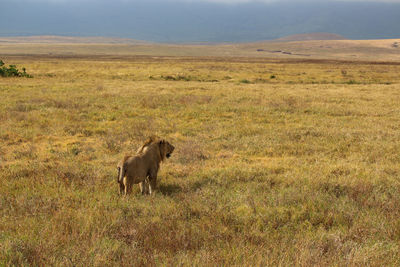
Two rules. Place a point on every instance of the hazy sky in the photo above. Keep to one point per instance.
(213, 1)
(200, 20)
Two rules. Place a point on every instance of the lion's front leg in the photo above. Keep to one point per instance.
(152, 182)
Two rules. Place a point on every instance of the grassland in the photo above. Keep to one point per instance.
(277, 162)
(351, 50)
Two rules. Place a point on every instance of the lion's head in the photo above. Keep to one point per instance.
(154, 142)
(166, 149)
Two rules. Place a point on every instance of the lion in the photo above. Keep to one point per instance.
(143, 167)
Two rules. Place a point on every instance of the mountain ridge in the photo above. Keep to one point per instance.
(53, 39)
(311, 37)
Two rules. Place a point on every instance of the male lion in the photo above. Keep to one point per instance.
(143, 167)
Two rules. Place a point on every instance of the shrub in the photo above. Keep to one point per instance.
(352, 82)
(12, 71)
(177, 77)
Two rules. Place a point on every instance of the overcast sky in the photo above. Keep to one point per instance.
(200, 20)
(210, 1)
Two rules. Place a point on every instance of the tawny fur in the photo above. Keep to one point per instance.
(143, 167)
(149, 140)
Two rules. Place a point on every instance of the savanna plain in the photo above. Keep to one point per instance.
(278, 162)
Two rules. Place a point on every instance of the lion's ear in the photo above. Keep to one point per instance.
(161, 142)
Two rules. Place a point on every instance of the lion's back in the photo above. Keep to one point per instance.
(136, 166)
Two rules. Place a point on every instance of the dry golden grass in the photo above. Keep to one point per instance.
(276, 162)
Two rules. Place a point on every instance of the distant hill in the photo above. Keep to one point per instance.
(311, 37)
(51, 39)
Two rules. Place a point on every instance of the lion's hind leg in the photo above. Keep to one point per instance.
(127, 186)
(121, 188)
(144, 186)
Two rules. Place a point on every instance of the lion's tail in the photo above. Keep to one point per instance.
(122, 170)
(121, 174)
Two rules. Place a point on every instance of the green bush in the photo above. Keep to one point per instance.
(12, 71)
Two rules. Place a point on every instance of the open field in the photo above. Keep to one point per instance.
(354, 50)
(277, 161)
